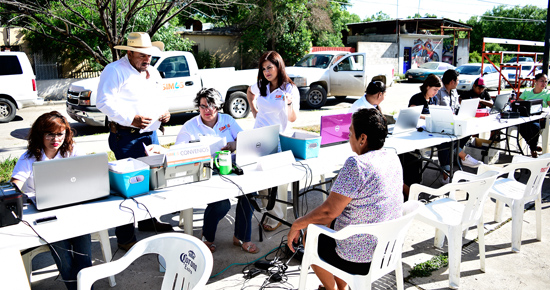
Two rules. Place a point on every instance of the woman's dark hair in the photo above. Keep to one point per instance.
(539, 76)
(373, 124)
(431, 81)
(49, 123)
(375, 87)
(282, 77)
(212, 96)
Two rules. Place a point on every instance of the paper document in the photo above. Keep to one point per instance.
(216, 143)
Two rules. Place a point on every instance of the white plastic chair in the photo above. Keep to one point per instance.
(386, 256)
(188, 262)
(516, 194)
(450, 218)
(101, 236)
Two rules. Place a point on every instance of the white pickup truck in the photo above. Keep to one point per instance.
(322, 74)
(181, 81)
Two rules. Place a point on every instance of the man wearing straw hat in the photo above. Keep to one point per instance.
(129, 94)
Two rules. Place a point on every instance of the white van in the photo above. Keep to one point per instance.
(17, 84)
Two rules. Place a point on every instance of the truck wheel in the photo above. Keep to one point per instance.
(316, 97)
(7, 110)
(237, 105)
(502, 84)
(341, 98)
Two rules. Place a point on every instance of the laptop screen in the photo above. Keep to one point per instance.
(65, 181)
(255, 143)
(335, 128)
(500, 103)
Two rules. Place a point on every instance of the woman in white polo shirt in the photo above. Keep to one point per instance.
(274, 100)
(51, 137)
(212, 123)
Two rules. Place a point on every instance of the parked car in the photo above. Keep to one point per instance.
(424, 70)
(182, 79)
(470, 72)
(525, 72)
(520, 59)
(322, 74)
(17, 85)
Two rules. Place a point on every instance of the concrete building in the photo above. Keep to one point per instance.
(407, 43)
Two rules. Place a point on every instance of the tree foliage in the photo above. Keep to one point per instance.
(94, 28)
(524, 23)
(379, 16)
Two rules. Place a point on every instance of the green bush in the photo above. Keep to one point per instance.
(207, 60)
(7, 169)
(425, 269)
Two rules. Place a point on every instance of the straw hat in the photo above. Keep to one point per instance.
(141, 42)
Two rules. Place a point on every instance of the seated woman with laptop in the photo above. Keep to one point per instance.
(51, 137)
(367, 190)
(210, 122)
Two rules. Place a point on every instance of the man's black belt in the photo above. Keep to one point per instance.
(115, 127)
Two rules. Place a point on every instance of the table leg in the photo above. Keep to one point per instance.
(545, 134)
(186, 220)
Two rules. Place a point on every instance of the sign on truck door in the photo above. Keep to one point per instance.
(348, 79)
(179, 86)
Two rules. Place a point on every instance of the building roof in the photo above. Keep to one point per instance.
(414, 25)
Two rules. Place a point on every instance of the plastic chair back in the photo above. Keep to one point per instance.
(188, 262)
(386, 256)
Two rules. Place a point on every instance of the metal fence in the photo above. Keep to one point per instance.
(46, 67)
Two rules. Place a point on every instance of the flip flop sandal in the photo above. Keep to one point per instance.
(211, 246)
(269, 228)
(252, 249)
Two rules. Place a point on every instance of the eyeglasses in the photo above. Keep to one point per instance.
(51, 136)
(209, 107)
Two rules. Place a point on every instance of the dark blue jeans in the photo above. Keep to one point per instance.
(74, 255)
(125, 144)
(530, 132)
(217, 210)
(444, 152)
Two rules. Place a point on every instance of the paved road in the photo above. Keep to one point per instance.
(94, 139)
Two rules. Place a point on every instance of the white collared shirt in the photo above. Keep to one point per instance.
(272, 109)
(23, 169)
(361, 103)
(226, 127)
(123, 92)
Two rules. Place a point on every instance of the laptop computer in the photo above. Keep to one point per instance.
(500, 103)
(335, 129)
(406, 121)
(66, 181)
(468, 108)
(255, 143)
(442, 119)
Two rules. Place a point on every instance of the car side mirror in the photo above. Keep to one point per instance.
(335, 68)
(485, 73)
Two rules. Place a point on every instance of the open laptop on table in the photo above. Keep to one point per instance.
(500, 103)
(407, 121)
(65, 181)
(255, 143)
(335, 129)
(468, 109)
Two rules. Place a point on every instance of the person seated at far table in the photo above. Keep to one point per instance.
(374, 95)
(412, 165)
(448, 96)
(210, 122)
(51, 137)
(367, 190)
(531, 131)
(478, 90)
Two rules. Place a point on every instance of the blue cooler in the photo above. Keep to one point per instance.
(303, 145)
(129, 177)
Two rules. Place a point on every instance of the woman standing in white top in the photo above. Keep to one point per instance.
(274, 100)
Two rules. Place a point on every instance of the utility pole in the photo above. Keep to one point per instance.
(546, 41)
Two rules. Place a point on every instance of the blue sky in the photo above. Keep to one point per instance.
(452, 9)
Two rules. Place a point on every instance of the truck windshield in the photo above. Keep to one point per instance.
(154, 60)
(315, 60)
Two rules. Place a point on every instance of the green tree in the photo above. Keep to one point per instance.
(330, 34)
(379, 16)
(94, 28)
(524, 23)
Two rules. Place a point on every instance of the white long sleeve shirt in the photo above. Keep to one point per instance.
(123, 92)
